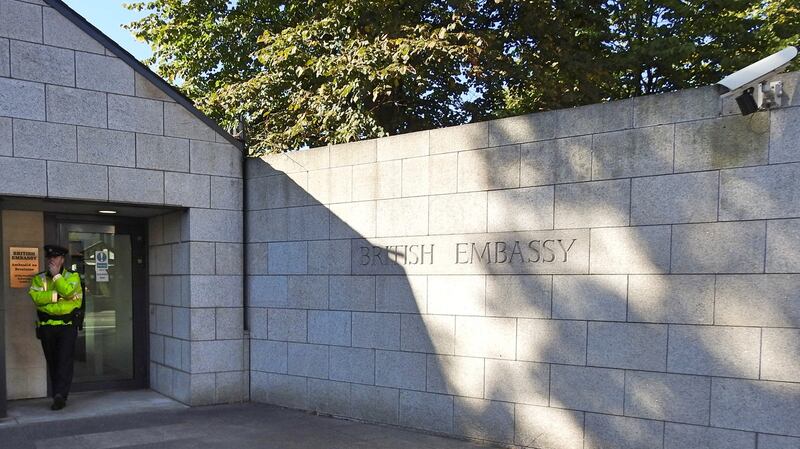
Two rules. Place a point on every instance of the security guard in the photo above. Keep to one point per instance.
(58, 296)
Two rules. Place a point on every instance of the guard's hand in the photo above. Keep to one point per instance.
(52, 267)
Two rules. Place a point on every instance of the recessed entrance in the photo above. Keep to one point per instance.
(110, 254)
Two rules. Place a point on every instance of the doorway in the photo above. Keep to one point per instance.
(110, 254)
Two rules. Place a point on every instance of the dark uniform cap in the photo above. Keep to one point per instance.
(54, 251)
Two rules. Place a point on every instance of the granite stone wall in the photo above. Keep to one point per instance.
(620, 275)
(78, 123)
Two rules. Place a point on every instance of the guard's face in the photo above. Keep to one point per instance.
(58, 261)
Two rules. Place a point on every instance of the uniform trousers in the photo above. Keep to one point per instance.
(58, 343)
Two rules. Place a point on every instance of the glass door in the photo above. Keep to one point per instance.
(110, 258)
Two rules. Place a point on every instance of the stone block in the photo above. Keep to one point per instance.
(354, 153)
(45, 64)
(257, 323)
(760, 192)
(146, 89)
(493, 168)
(288, 258)
(329, 257)
(758, 300)
(783, 246)
(518, 382)
(667, 397)
(256, 193)
(61, 32)
(548, 427)
(521, 209)
(432, 175)
(484, 420)
(308, 223)
(352, 364)
(256, 258)
(592, 297)
(215, 159)
(106, 147)
(308, 360)
(402, 217)
(725, 142)
(172, 352)
(556, 161)
(376, 330)
(161, 260)
(536, 341)
(403, 146)
(278, 389)
(217, 355)
(268, 225)
(408, 294)
(41, 140)
(626, 345)
(590, 389)
(103, 73)
(457, 295)
(6, 142)
(680, 106)
(460, 376)
(634, 250)
(135, 185)
(331, 398)
(683, 198)
(20, 20)
(267, 291)
(162, 153)
(287, 325)
(229, 323)
(460, 213)
(134, 114)
(215, 291)
(308, 292)
(353, 220)
(605, 431)
(719, 247)
(458, 138)
(592, 204)
(329, 327)
(595, 118)
(174, 226)
(777, 442)
(377, 181)
(671, 299)
(428, 333)
(231, 387)
(780, 354)
(375, 404)
(179, 122)
(486, 337)
(714, 350)
(784, 136)
(5, 58)
(74, 181)
(333, 185)
(519, 296)
(21, 99)
(194, 258)
(405, 370)
(352, 293)
(156, 288)
(681, 436)
(228, 259)
(635, 152)
(308, 159)
(287, 190)
(187, 190)
(523, 128)
(426, 411)
(759, 406)
(226, 193)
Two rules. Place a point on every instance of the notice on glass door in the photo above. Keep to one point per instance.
(101, 266)
(23, 265)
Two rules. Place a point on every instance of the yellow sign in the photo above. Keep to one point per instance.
(24, 264)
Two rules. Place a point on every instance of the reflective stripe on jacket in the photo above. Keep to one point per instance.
(67, 291)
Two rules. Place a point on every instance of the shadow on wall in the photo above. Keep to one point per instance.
(620, 333)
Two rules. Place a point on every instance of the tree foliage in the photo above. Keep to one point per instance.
(313, 72)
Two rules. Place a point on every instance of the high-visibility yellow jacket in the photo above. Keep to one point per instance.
(59, 296)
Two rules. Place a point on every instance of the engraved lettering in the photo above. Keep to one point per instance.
(534, 245)
(566, 250)
(516, 251)
(460, 251)
(548, 250)
(364, 256)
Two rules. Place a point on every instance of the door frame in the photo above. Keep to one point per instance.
(137, 229)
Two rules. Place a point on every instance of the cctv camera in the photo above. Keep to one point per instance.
(743, 83)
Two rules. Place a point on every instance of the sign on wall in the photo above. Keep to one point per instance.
(23, 265)
(101, 266)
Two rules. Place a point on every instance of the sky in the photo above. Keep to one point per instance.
(109, 16)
